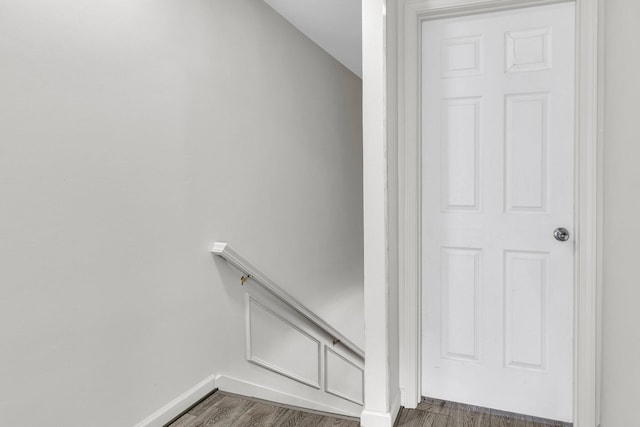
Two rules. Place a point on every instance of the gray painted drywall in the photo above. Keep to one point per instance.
(335, 25)
(134, 134)
(621, 281)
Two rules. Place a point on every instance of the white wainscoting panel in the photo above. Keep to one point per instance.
(276, 344)
(343, 378)
(299, 359)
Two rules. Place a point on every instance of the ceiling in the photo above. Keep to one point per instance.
(335, 25)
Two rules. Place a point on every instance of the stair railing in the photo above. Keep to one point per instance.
(250, 272)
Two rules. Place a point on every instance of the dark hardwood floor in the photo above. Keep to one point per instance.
(439, 413)
(225, 409)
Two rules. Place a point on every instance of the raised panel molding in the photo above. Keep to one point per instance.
(276, 344)
(526, 162)
(461, 303)
(461, 56)
(525, 309)
(528, 50)
(343, 378)
(460, 135)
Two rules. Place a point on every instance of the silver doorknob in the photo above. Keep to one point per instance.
(561, 234)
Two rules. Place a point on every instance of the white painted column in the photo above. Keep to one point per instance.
(380, 307)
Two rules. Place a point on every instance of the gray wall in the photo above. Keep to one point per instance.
(621, 281)
(133, 134)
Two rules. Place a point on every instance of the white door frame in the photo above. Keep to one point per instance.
(587, 194)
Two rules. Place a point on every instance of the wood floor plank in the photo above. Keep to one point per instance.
(224, 413)
(337, 422)
(259, 415)
(419, 418)
(436, 406)
(224, 410)
(311, 421)
(475, 416)
(499, 420)
(439, 420)
(459, 418)
(482, 419)
(505, 419)
(463, 416)
(502, 421)
(290, 418)
(409, 417)
(453, 406)
(206, 403)
(549, 424)
(229, 410)
(279, 415)
(183, 421)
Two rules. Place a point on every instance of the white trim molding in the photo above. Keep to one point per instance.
(588, 197)
(380, 305)
(588, 202)
(247, 388)
(180, 404)
(371, 418)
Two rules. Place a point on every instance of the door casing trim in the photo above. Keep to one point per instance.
(587, 193)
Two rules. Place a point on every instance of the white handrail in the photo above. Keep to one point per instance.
(250, 272)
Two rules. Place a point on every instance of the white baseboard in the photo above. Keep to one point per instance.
(245, 388)
(370, 418)
(179, 404)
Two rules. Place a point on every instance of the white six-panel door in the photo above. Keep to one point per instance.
(497, 172)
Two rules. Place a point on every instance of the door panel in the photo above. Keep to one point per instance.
(497, 180)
